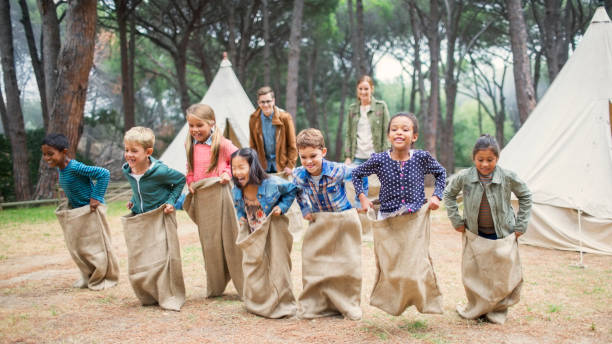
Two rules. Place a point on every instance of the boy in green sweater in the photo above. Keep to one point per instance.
(153, 183)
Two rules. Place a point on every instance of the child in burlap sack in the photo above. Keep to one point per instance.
(491, 268)
(209, 202)
(257, 194)
(401, 171)
(154, 256)
(331, 250)
(77, 181)
(260, 201)
(404, 271)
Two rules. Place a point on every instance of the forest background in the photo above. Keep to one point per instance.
(92, 69)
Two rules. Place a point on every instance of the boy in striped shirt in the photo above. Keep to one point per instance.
(75, 178)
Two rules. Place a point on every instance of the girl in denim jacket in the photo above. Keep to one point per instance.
(487, 210)
(257, 194)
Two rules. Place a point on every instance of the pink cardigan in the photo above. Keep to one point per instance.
(201, 160)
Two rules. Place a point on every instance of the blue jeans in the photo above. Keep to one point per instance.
(357, 162)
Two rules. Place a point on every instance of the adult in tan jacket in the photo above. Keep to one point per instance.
(272, 134)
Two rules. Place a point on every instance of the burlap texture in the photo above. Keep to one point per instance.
(404, 272)
(492, 276)
(266, 263)
(212, 209)
(331, 266)
(88, 239)
(154, 258)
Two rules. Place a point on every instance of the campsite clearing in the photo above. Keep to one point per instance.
(560, 303)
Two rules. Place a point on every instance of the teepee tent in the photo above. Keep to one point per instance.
(564, 150)
(232, 110)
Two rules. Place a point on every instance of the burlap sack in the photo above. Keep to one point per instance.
(373, 193)
(492, 276)
(331, 266)
(212, 209)
(404, 272)
(88, 239)
(154, 258)
(266, 262)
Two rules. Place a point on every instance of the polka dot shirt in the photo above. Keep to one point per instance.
(402, 182)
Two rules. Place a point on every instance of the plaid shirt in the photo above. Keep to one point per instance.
(330, 195)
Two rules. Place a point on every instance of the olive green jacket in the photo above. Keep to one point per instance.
(379, 119)
(498, 194)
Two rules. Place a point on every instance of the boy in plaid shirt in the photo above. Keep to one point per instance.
(320, 182)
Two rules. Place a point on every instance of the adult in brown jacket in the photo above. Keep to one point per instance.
(272, 134)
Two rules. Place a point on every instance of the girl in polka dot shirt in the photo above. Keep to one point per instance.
(401, 171)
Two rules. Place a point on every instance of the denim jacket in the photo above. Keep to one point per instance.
(273, 191)
(498, 194)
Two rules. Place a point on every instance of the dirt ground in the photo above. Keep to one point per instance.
(560, 303)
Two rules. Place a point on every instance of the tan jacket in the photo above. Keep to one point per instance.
(286, 149)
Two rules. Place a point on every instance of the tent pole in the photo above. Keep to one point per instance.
(581, 265)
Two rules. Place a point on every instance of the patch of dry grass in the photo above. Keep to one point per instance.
(560, 303)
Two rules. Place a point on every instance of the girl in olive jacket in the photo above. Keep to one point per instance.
(487, 210)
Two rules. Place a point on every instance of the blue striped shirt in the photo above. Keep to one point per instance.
(330, 195)
(76, 179)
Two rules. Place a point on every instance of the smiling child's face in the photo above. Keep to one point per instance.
(241, 170)
(485, 161)
(401, 133)
(312, 159)
(199, 129)
(53, 156)
(136, 155)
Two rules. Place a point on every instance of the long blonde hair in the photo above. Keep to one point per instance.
(205, 113)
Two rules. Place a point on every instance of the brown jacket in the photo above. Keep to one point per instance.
(286, 150)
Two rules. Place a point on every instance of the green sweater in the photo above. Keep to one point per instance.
(158, 185)
(378, 115)
(498, 194)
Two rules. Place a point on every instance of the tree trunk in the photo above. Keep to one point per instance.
(525, 94)
(312, 112)
(245, 39)
(14, 128)
(51, 44)
(74, 64)
(340, 129)
(413, 91)
(266, 37)
(293, 64)
(434, 78)
(123, 13)
(356, 58)
(362, 67)
(37, 66)
(417, 33)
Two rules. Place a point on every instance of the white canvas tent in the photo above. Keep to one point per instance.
(232, 110)
(564, 150)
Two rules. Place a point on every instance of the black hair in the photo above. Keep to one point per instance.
(57, 141)
(256, 172)
(484, 142)
(410, 116)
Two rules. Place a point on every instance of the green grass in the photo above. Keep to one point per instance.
(554, 308)
(414, 326)
(40, 214)
(46, 213)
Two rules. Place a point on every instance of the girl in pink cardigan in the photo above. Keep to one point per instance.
(208, 152)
